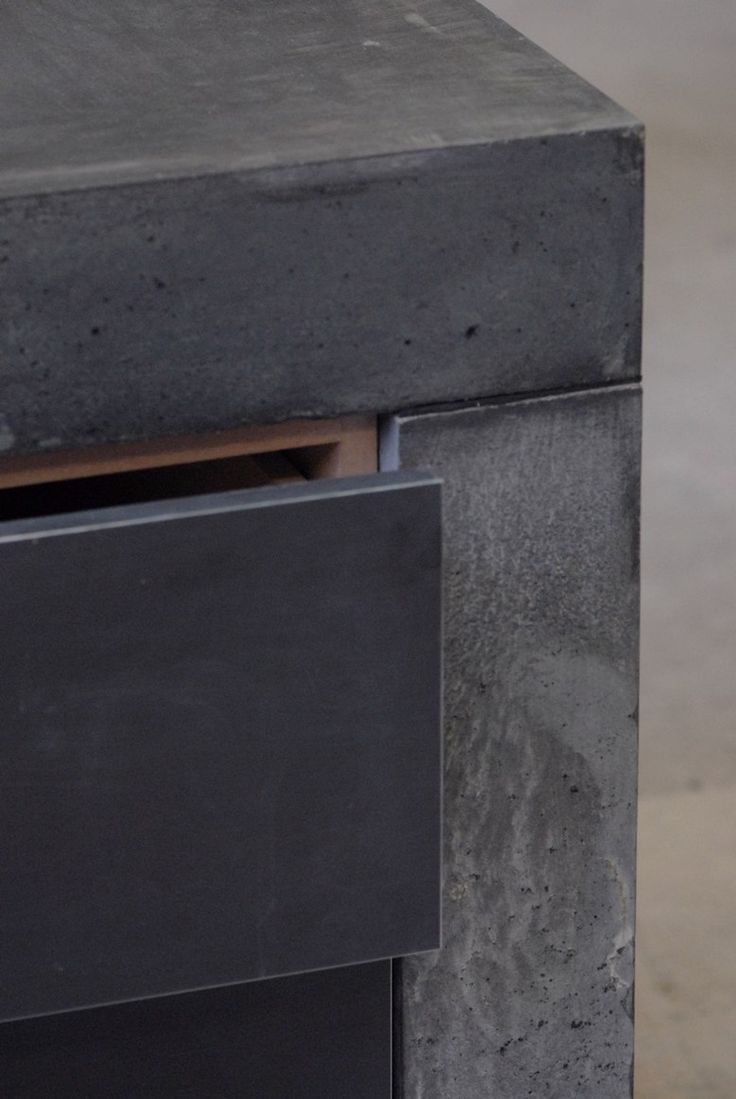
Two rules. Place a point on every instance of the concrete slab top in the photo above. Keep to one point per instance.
(102, 92)
(232, 212)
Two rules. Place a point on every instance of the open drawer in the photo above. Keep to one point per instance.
(219, 739)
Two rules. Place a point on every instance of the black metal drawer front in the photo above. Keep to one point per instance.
(220, 740)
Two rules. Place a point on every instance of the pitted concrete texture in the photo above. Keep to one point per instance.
(531, 995)
(354, 207)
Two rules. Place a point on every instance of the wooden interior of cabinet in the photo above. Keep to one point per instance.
(104, 476)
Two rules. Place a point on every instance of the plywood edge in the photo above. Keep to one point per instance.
(350, 446)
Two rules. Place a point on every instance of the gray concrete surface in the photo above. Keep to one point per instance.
(418, 252)
(673, 63)
(531, 993)
(463, 274)
(105, 92)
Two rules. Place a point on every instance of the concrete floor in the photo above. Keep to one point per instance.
(673, 63)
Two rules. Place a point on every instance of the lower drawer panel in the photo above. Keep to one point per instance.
(315, 1036)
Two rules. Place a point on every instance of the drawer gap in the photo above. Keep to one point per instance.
(131, 474)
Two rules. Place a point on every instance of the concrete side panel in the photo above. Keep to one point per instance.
(532, 993)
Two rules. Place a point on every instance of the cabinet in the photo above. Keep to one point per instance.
(224, 229)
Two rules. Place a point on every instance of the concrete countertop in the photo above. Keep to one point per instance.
(98, 94)
(234, 212)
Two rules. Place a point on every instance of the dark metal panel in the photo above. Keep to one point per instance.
(220, 740)
(319, 1035)
(532, 991)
